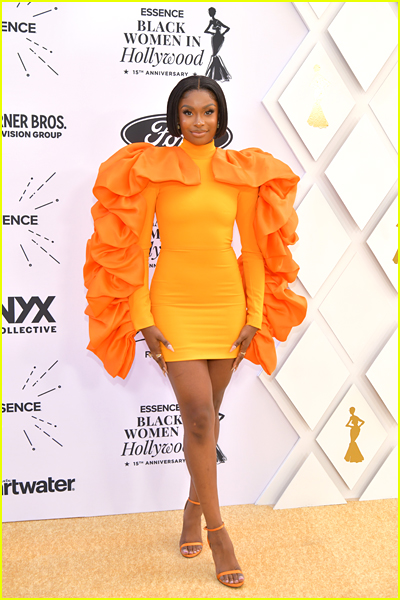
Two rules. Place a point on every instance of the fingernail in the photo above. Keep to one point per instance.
(170, 348)
(233, 348)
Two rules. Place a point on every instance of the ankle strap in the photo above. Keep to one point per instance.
(216, 529)
(193, 502)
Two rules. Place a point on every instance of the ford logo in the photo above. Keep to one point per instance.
(153, 130)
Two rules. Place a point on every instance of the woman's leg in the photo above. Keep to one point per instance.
(191, 381)
(220, 375)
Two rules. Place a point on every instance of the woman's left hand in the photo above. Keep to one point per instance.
(244, 340)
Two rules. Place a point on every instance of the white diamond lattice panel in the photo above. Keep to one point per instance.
(348, 443)
(385, 106)
(385, 483)
(311, 486)
(322, 240)
(348, 183)
(362, 172)
(383, 242)
(317, 101)
(319, 7)
(312, 375)
(366, 35)
(383, 375)
(357, 307)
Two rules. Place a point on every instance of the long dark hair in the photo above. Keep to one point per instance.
(196, 82)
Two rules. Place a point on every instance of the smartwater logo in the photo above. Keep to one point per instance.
(43, 486)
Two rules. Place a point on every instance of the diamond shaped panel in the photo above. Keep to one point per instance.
(311, 486)
(352, 436)
(385, 482)
(385, 106)
(357, 307)
(366, 35)
(319, 7)
(383, 374)
(362, 172)
(322, 240)
(383, 242)
(312, 375)
(317, 101)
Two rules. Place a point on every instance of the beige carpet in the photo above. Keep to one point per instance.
(347, 551)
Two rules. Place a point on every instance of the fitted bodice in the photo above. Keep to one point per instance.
(199, 216)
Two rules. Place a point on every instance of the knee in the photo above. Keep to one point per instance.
(200, 422)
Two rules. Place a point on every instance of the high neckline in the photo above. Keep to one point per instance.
(194, 151)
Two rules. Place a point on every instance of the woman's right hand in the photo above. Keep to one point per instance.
(154, 338)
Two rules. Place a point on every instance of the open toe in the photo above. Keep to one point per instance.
(233, 577)
(231, 582)
(191, 549)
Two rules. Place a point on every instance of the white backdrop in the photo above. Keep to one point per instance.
(64, 419)
(69, 67)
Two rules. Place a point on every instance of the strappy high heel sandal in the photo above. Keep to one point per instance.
(240, 583)
(191, 543)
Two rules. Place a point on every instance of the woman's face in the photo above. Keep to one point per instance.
(198, 116)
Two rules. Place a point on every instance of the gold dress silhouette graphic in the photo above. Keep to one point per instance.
(318, 87)
(353, 453)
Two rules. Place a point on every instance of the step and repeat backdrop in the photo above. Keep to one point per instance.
(81, 80)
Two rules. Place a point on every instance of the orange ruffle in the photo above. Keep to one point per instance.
(114, 260)
(275, 229)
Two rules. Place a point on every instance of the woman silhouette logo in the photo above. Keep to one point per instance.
(216, 69)
(353, 453)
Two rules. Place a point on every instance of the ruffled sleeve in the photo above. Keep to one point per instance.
(114, 267)
(275, 229)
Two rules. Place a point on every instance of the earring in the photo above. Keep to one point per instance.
(217, 124)
(178, 126)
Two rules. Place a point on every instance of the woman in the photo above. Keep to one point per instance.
(353, 453)
(205, 310)
(216, 68)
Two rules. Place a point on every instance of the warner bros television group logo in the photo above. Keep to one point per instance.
(23, 41)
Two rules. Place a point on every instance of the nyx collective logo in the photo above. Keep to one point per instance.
(33, 244)
(33, 312)
(160, 44)
(23, 41)
(39, 386)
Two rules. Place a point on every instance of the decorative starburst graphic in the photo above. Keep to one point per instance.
(35, 386)
(41, 242)
(30, 52)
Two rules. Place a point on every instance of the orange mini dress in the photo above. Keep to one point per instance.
(201, 295)
(196, 296)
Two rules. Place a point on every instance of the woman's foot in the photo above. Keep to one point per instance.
(224, 557)
(191, 530)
